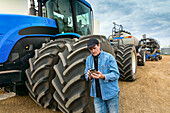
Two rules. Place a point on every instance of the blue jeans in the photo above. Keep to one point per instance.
(112, 105)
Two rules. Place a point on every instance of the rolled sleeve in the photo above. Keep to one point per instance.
(86, 69)
(85, 73)
(111, 76)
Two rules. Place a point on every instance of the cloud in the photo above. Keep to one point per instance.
(149, 17)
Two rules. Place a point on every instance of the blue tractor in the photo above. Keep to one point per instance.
(151, 48)
(44, 54)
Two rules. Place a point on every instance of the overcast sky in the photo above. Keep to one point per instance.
(150, 17)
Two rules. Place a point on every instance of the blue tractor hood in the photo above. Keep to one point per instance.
(9, 22)
(10, 25)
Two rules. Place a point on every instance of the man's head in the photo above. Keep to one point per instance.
(94, 46)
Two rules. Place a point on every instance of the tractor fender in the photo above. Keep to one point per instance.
(12, 27)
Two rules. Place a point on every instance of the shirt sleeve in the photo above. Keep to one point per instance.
(114, 72)
(86, 69)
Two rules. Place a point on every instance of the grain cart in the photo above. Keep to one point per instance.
(128, 54)
(151, 48)
(46, 53)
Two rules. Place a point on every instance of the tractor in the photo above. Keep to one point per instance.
(44, 54)
(151, 48)
(128, 52)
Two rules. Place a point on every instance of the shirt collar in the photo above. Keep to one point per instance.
(101, 54)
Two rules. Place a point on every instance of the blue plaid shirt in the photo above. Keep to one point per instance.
(107, 65)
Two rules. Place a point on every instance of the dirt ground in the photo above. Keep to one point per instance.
(150, 93)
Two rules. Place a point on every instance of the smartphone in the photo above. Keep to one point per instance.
(93, 71)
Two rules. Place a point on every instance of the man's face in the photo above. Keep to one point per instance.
(95, 50)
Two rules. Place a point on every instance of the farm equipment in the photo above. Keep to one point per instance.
(46, 55)
(128, 53)
(151, 48)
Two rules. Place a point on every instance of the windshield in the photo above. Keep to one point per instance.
(60, 10)
(83, 16)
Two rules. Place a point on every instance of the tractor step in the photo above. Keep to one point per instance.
(7, 95)
(10, 76)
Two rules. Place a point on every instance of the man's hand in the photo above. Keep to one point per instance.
(98, 75)
(89, 75)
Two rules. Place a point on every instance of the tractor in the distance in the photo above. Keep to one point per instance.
(151, 48)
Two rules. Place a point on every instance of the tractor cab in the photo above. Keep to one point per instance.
(71, 16)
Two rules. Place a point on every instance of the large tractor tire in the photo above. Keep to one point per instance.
(72, 91)
(142, 59)
(41, 73)
(127, 62)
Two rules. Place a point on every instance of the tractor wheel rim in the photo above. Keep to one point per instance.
(133, 63)
(144, 57)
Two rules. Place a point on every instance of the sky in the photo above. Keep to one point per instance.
(150, 17)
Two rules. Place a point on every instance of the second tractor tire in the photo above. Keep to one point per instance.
(127, 62)
(41, 72)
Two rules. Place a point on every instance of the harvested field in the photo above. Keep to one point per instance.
(150, 93)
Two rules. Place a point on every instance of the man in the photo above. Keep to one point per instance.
(104, 87)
